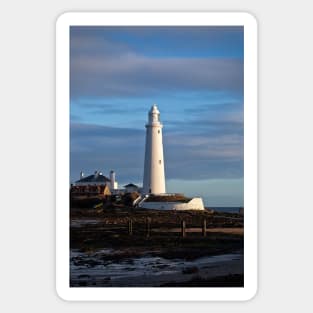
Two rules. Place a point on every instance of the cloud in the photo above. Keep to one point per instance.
(90, 45)
(205, 156)
(114, 76)
(75, 117)
(132, 75)
(197, 125)
(105, 62)
(103, 106)
(95, 147)
(192, 157)
(161, 41)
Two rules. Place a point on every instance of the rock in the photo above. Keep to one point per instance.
(190, 270)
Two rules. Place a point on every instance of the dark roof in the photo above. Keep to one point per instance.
(95, 178)
(131, 185)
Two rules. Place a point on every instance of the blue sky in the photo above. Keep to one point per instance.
(193, 74)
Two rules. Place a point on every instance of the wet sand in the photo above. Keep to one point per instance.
(150, 271)
(104, 254)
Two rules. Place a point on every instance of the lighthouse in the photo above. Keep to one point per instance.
(154, 178)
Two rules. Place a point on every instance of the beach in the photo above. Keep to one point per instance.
(106, 252)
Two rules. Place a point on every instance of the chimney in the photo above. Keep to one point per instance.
(112, 179)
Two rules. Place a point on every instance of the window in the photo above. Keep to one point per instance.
(158, 131)
(160, 161)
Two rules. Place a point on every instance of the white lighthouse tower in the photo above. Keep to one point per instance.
(154, 178)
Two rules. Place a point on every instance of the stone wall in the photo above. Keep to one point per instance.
(193, 204)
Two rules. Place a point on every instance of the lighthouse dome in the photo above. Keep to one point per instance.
(154, 115)
(154, 109)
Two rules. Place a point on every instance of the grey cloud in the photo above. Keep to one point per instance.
(99, 107)
(75, 118)
(207, 147)
(104, 148)
(82, 45)
(205, 127)
(215, 107)
(130, 74)
(200, 156)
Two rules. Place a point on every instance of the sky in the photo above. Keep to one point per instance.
(193, 74)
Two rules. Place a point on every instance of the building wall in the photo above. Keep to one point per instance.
(90, 190)
(193, 204)
(115, 186)
(90, 184)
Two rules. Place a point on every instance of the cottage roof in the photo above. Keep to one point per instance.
(95, 178)
(131, 185)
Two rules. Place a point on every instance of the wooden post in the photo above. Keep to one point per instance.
(130, 227)
(183, 228)
(148, 226)
(204, 228)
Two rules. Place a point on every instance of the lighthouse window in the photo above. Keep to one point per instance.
(158, 131)
(160, 161)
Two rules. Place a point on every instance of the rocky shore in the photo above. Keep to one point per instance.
(104, 253)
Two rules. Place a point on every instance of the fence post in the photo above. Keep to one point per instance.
(183, 228)
(130, 227)
(204, 228)
(148, 226)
